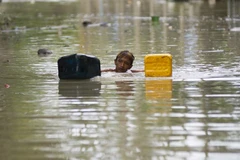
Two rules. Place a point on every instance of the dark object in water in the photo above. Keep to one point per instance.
(44, 51)
(78, 66)
(90, 24)
(104, 24)
(155, 18)
(86, 23)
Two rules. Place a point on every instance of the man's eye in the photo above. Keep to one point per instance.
(125, 62)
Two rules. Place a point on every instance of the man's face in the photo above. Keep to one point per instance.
(123, 64)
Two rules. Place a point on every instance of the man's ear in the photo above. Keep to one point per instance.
(130, 67)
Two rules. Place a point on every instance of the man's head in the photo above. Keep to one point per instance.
(124, 61)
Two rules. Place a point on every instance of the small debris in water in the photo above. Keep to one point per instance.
(44, 52)
(90, 24)
(235, 29)
(6, 61)
(212, 51)
(104, 24)
(6, 85)
(86, 23)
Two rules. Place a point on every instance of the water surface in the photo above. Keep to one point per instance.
(192, 115)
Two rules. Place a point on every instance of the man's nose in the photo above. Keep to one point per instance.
(122, 64)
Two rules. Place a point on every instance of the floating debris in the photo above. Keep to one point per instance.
(16, 29)
(212, 51)
(44, 52)
(155, 18)
(6, 85)
(90, 24)
(86, 23)
(235, 29)
(6, 61)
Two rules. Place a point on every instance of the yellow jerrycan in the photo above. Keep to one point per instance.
(158, 65)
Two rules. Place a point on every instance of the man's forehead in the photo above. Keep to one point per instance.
(126, 58)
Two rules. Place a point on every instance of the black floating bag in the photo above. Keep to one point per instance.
(78, 66)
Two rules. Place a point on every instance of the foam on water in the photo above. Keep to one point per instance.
(178, 75)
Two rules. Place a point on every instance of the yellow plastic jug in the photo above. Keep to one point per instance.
(158, 65)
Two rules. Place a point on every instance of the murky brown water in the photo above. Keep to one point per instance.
(193, 115)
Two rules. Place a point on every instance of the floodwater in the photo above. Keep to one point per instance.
(193, 115)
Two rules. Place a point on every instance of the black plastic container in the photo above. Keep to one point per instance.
(78, 66)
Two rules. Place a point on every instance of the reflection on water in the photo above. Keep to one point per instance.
(159, 95)
(158, 89)
(193, 115)
(125, 88)
(83, 88)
